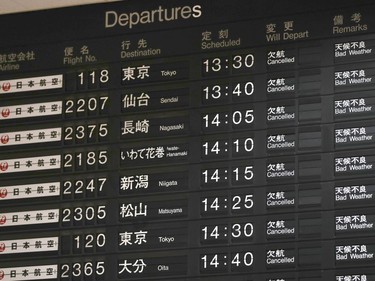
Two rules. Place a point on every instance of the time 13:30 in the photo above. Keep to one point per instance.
(227, 64)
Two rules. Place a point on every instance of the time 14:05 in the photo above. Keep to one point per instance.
(232, 119)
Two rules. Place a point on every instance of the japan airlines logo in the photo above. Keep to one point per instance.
(6, 86)
(4, 139)
(2, 274)
(2, 247)
(5, 112)
(3, 193)
(3, 219)
(3, 166)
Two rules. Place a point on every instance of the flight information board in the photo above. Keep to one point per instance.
(188, 140)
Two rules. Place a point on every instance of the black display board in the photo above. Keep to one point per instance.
(188, 140)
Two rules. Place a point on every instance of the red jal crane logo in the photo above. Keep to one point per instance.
(3, 166)
(3, 193)
(5, 112)
(3, 219)
(6, 86)
(2, 247)
(4, 139)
